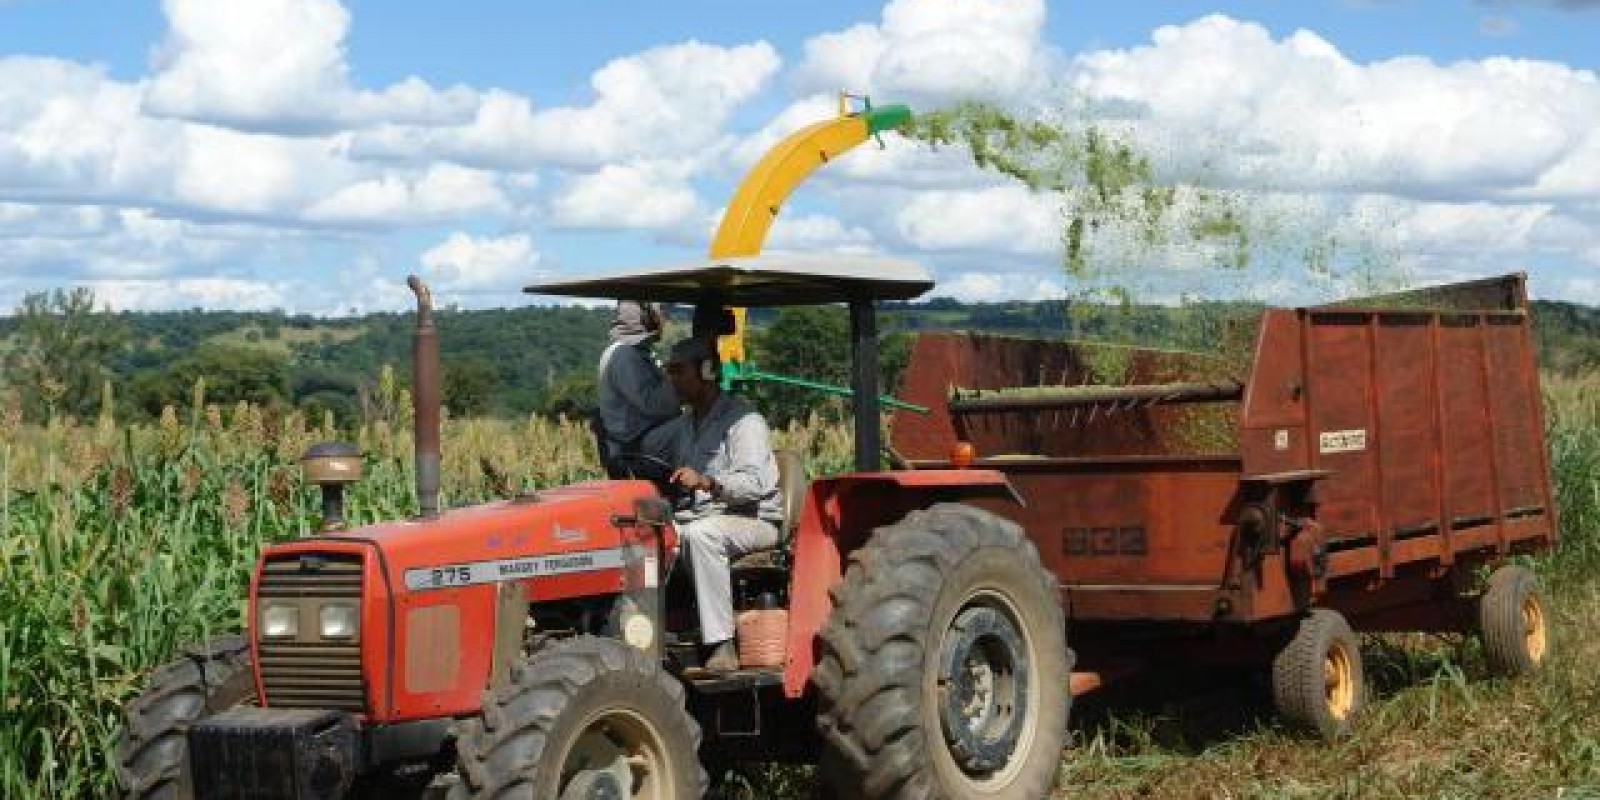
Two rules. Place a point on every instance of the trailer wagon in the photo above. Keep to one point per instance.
(1353, 470)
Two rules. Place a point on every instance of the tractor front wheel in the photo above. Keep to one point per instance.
(582, 719)
(152, 756)
(945, 667)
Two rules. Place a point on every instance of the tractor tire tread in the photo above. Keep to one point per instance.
(499, 750)
(873, 647)
(151, 755)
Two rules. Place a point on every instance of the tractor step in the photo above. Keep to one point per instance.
(744, 680)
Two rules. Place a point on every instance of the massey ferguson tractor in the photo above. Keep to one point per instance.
(1357, 471)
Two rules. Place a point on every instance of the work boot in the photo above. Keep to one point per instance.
(724, 658)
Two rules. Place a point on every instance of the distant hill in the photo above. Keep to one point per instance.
(513, 361)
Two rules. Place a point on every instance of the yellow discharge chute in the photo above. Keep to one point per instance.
(756, 204)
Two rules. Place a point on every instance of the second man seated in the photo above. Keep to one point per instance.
(723, 450)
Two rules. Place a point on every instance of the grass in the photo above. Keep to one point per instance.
(120, 545)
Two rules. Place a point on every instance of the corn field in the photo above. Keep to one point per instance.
(119, 545)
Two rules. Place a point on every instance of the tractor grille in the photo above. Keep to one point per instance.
(307, 673)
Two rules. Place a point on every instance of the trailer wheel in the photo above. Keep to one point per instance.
(152, 755)
(582, 719)
(1317, 679)
(945, 667)
(1512, 622)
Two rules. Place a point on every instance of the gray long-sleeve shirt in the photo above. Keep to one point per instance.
(634, 393)
(733, 447)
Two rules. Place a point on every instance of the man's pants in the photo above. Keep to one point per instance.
(711, 542)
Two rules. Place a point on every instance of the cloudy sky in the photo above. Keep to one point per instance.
(307, 154)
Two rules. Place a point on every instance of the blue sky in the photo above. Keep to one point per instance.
(307, 154)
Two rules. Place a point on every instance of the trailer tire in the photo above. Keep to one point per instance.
(1513, 623)
(1317, 678)
(598, 698)
(152, 754)
(945, 668)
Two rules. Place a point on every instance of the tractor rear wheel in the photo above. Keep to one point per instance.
(152, 756)
(582, 719)
(1317, 678)
(945, 667)
(1513, 623)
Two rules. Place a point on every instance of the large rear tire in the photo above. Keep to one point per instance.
(585, 718)
(945, 671)
(152, 756)
(1513, 622)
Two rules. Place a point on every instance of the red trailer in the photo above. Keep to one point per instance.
(1357, 471)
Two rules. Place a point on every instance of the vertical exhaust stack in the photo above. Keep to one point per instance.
(425, 399)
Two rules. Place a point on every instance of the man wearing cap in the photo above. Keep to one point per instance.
(725, 461)
(635, 399)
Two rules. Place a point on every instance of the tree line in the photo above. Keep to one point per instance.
(63, 356)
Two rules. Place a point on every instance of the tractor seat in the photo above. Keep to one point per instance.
(792, 496)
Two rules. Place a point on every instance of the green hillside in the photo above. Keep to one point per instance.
(510, 362)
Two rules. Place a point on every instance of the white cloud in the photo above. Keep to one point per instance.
(468, 263)
(1460, 228)
(813, 232)
(181, 293)
(933, 51)
(50, 243)
(989, 287)
(1296, 113)
(442, 192)
(666, 101)
(278, 66)
(1008, 219)
(638, 195)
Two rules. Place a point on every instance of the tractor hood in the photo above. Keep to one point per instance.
(437, 596)
(500, 536)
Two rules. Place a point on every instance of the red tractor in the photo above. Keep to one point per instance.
(1358, 471)
(542, 647)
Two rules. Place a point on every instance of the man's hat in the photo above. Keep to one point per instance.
(691, 350)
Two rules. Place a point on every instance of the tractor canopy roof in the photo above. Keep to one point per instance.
(765, 280)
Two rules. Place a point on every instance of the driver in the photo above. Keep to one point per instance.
(634, 396)
(725, 462)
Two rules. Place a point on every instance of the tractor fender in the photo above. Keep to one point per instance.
(839, 514)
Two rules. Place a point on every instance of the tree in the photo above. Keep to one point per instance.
(232, 372)
(575, 396)
(468, 385)
(63, 350)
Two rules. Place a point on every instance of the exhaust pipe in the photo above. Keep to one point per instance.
(425, 399)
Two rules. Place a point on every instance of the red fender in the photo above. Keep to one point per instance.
(840, 512)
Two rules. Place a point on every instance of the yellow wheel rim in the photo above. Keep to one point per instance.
(1534, 636)
(1339, 681)
(626, 745)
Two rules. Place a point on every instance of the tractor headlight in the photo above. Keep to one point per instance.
(280, 621)
(338, 621)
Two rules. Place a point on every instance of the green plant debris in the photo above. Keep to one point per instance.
(1132, 235)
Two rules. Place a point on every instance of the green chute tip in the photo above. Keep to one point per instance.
(886, 118)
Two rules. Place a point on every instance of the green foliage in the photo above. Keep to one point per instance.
(62, 348)
(575, 396)
(232, 373)
(468, 386)
(813, 343)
